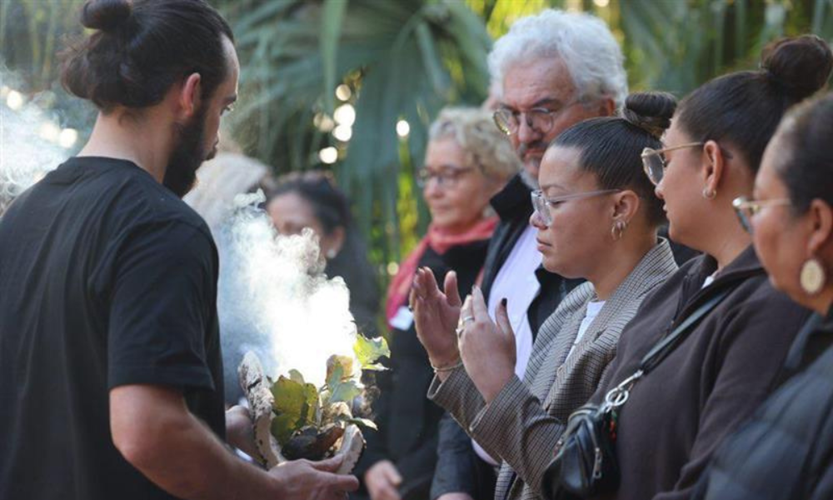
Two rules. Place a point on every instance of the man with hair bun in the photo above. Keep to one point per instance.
(549, 72)
(109, 343)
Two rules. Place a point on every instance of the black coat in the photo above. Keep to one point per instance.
(407, 420)
(785, 451)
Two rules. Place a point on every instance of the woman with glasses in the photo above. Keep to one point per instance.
(467, 161)
(784, 451)
(596, 218)
(726, 363)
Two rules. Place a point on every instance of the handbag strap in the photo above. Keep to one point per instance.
(617, 396)
(663, 348)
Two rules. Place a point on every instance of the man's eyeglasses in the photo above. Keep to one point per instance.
(746, 209)
(446, 178)
(540, 119)
(543, 205)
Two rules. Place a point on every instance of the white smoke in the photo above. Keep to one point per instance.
(29, 143)
(274, 298)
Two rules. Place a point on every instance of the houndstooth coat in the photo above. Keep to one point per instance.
(516, 428)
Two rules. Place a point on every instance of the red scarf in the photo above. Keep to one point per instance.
(439, 241)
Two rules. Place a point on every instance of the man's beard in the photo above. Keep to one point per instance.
(188, 155)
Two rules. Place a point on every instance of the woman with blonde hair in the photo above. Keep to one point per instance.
(467, 161)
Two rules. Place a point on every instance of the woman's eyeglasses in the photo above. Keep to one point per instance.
(542, 204)
(446, 178)
(654, 164)
(746, 209)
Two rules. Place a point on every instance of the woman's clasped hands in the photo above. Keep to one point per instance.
(452, 331)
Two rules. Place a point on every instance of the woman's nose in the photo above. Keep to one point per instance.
(536, 221)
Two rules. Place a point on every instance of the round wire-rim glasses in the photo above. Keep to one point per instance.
(508, 121)
(746, 208)
(542, 204)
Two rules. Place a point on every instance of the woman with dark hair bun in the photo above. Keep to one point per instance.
(597, 219)
(727, 362)
(784, 451)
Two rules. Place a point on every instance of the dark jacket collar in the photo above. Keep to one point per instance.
(697, 270)
(513, 199)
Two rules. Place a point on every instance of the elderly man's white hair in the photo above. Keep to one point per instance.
(582, 41)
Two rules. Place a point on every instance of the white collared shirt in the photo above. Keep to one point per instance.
(516, 281)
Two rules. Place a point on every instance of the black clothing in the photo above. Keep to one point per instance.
(107, 279)
(407, 420)
(681, 411)
(784, 451)
(513, 205)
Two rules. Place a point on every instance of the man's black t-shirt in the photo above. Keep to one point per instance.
(106, 279)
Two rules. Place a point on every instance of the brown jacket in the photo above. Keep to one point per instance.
(680, 412)
(524, 421)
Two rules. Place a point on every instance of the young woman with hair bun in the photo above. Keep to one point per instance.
(729, 361)
(783, 451)
(597, 219)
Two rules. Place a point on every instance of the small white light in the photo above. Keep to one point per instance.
(68, 137)
(345, 115)
(601, 3)
(328, 155)
(343, 92)
(14, 100)
(403, 128)
(393, 268)
(343, 133)
(50, 131)
(324, 123)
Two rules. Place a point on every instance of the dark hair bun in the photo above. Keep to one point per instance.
(106, 15)
(800, 65)
(651, 111)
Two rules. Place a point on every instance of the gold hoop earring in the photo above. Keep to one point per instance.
(618, 229)
(813, 276)
(709, 193)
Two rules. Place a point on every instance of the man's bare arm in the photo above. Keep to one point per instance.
(154, 431)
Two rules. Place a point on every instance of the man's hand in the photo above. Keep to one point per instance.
(436, 315)
(488, 349)
(305, 480)
(239, 430)
(382, 481)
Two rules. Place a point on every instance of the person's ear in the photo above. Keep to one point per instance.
(189, 95)
(626, 206)
(821, 227)
(714, 164)
(606, 107)
(334, 242)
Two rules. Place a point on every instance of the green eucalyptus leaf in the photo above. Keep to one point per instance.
(296, 376)
(345, 392)
(368, 351)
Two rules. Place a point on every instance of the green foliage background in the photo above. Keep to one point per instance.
(405, 59)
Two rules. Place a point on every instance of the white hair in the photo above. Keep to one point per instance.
(583, 42)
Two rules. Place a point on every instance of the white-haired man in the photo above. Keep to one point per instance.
(551, 71)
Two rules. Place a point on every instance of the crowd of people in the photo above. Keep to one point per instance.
(661, 263)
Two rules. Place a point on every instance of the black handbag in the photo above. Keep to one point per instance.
(585, 464)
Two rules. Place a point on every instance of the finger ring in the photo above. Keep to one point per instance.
(467, 319)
